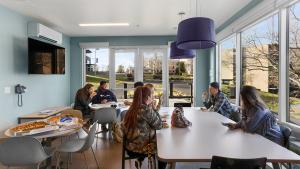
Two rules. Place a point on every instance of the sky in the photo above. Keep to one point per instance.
(260, 29)
(124, 58)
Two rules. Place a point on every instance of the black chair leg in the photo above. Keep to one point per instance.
(123, 164)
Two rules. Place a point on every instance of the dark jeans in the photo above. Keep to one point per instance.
(141, 157)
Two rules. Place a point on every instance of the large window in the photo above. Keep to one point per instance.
(97, 65)
(228, 67)
(124, 69)
(294, 63)
(181, 80)
(152, 70)
(260, 59)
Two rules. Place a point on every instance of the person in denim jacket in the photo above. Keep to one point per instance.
(218, 101)
(256, 117)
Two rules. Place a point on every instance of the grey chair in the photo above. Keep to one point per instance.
(122, 115)
(105, 116)
(78, 146)
(23, 151)
(286, 133)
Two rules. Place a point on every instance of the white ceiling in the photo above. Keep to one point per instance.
(146, 17)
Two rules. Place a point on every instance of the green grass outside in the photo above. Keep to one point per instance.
(269, 98)
(181, 77)
(158, 86)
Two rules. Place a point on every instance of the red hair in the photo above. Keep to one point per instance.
(141, 95)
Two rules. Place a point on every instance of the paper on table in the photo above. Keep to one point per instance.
(46, 111)
(68, 122)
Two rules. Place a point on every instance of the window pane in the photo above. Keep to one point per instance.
(228, 67)
(294, 63)
(97, 65)
(260, 59)
(124, 69)
(153, 69)
(181, 78)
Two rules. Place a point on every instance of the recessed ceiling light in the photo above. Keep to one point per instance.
(104, 24)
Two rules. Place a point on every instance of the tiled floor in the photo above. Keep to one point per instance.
(109, 156)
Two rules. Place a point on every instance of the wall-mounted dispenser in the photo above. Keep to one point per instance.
(19, 90)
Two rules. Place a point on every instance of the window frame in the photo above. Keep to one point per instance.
(282, 10)
(219, 63)
(288, 117)
(261, 20)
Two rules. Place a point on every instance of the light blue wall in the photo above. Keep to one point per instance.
(42, 90)
(205, 73)
(76, 51)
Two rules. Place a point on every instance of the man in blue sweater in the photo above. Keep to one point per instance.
(104, 95)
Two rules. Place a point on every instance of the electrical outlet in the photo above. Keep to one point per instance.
(7, 90)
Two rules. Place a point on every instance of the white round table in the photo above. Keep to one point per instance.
(119, 105)
(62, 131)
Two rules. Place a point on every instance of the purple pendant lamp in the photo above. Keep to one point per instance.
(196, 33)
(176, 53)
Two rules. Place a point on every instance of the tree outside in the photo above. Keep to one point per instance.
(260, 61)
(121, 69)
(180, 68)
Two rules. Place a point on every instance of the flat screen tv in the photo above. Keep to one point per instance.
(45, 58)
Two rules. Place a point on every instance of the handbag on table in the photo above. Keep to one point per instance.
(178, 119)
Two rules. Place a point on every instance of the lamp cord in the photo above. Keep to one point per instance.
(196, 8)
(190, 8)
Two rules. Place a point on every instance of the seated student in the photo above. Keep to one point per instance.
(139, 126)
(256, 117)
(218, 102)
(138, 84)
(83, 98)
(155, 106)
(135, 85)
(104, 95)
(128, 103)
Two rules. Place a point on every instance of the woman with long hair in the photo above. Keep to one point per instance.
(256, 117)
(83, 98)
(139, 125)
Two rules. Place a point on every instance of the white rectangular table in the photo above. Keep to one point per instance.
(207, 137)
